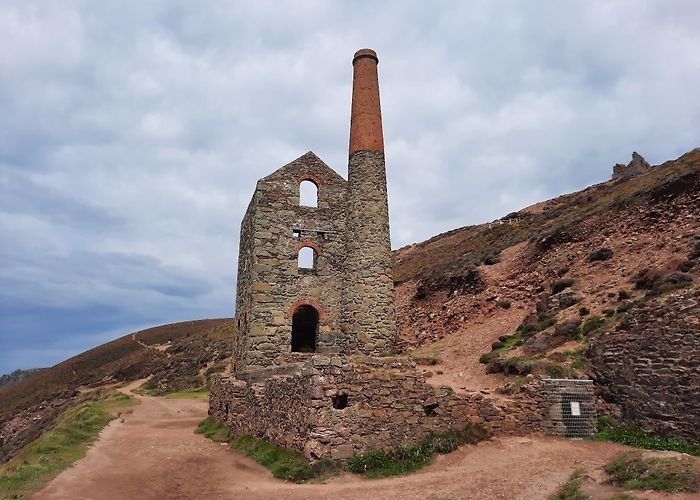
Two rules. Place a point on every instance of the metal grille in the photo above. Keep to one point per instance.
(571, 407)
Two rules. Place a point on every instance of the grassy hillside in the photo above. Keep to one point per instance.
(175, 354)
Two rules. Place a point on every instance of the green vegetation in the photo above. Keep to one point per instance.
(66, 442)
(291, 465)
(508, 343)
(404, 460)
(201, 393)
(571, 489)
(584, 311)
(283, 463)
(631, 471)
(634, 436)
(214, 430)
(591, 325)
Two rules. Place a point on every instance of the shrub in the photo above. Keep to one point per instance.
(623, 295)
(584, 311)
(695, 253)
(592, 324)
(609, 312)
(600, 254)
(561, 284)
(646, 278)
(561, 272)
(686, 266)
(569, 328)
(624, 307)
(403, 460)
(631, 471)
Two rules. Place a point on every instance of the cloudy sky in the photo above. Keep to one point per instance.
(132, 132)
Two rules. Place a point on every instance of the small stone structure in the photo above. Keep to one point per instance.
(313, 366)
(569, 407)
(637, 166)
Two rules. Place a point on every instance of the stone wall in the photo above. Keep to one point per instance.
(337, 406)
(370, 311)
(651, 370)
(271, 235)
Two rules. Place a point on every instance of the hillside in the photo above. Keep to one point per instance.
(16, 376)
(538, 291)
(175, 354)
(482, 307)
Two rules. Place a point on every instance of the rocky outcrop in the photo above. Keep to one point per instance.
(638, 165)
(651, 370)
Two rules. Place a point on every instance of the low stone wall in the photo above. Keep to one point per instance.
(338, 406)
(651, 370)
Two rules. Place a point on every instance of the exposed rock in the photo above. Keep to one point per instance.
(638, 165)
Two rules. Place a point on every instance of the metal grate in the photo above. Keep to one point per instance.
(571, 407)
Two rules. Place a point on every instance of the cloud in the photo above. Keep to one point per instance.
(132, 133)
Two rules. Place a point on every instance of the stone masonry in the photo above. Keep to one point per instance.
(651, 371)
(334, 406)
(313, 366)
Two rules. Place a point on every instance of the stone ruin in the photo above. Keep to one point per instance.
(313, 367)
(637, 166)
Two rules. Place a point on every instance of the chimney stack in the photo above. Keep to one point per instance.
(366, 116)
(369, 314)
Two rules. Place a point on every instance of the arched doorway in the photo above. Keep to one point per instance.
(304, 328)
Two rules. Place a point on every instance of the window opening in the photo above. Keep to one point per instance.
(308, 194)
(340, 401)
(306, 258)
(304, 329)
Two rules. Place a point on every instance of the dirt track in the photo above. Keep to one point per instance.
(152, 453)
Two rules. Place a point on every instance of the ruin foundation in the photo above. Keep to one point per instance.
(337, 406)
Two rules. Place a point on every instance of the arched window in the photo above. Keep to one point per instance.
(306, 258)
(308, 194)
(304, 329)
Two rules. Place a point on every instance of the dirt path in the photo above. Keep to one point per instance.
(153, 453)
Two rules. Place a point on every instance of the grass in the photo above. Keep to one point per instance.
(201, 393)
(633, 472)
(404, 460)
(508, 344)
(634, 436)
(283, 463)
(291, 465)
(214, 430)
(571, 489)
(58, 448)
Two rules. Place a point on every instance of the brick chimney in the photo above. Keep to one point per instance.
(366, 116)
(369, 314)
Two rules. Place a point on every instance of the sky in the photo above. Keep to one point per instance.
(132, 133)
